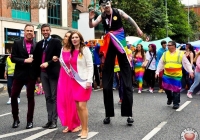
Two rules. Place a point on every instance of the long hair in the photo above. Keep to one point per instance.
(64, 38)
(197, 55)
(82, 44)
(153, 46)
(191, 48)
(142, 51)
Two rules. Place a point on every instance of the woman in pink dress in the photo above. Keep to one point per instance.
(66, 105)
(82, 71)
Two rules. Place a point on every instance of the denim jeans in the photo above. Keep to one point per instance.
(196, 82)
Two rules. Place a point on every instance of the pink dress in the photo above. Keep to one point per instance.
(66, 105)
(80, 94)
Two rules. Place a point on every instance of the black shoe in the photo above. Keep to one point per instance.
(29, 125)
(53, 125)
(169, 102)
(47, 125)
(175, 107)
(130, 121)
(15, 124)
(106, 120)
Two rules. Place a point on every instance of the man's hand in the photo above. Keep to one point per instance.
(156, 75)
(44, 65)
(55, 59)
(91, 14)
(140, 33)
(5, 75)
(191, 75)
(28, 60)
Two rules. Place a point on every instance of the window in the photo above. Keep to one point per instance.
(54, 14)
(21, 10)
(75, 17)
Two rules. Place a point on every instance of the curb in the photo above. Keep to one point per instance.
(1, 88)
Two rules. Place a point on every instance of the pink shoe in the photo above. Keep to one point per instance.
(189, 95)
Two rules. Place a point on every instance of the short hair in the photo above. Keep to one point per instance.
(45, 25)
(28, 25)
(173, 43)
(163, 42)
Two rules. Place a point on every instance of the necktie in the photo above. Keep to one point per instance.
(45, 45)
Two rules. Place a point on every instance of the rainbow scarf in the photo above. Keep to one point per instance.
(170, 82)
(118, 39)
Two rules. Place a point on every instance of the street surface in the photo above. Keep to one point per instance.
(154, 119)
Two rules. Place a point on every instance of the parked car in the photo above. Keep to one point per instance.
(2, 66)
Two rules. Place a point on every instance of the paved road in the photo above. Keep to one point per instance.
(153, 119)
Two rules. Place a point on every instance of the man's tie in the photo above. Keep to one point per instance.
(45, 45)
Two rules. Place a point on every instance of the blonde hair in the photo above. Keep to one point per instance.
(197, 55)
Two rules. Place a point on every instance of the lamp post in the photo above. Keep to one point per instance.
(188, 20)
(166, 18)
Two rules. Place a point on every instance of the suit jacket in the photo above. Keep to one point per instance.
(19, 53)
(53, 49)
(85, 65)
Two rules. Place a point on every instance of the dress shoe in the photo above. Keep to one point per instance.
(106, 120)
(130, 121)
(175, 107)
(47, 125)
(169, 102)
(29, 125)
(15, 124)
(85, 136)
(53, 125)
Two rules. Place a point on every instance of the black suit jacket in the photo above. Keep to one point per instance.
(23, 71)
(53, 49)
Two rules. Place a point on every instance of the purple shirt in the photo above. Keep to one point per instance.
(28, 45)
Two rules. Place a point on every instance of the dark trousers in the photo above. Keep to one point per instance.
(121, 85)
(50, 90)
(160, 79)
(10, 80)
(15, 92)
(96, 75)
(150, 77)
(107, 80)
(173, 96)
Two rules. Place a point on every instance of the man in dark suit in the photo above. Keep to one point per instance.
(47, 48)
(23, 55)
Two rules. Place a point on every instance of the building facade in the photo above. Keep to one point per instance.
(13, 20)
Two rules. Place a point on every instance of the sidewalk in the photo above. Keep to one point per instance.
(1, 88)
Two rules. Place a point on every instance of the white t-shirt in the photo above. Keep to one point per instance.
(152, 66)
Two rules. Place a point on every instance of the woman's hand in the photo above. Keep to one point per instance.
(88, 85)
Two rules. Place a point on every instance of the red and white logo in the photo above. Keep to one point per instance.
(189, 134)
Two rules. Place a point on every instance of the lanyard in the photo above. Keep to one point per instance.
(44, 42)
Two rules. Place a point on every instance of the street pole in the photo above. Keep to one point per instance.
(166, 18)
(188, 20)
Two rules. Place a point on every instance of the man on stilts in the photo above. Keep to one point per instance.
(115, 44)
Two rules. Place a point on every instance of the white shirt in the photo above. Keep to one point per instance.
(152, 66)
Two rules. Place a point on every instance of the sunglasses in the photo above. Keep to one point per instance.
(105, 4)
(170, 45)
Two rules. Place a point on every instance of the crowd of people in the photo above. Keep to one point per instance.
(67, 71)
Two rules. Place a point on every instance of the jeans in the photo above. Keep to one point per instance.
(196, 82)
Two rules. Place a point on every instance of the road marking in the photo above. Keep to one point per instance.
(40, 134)
(183, 105)
(20, 132)
(90, 135)
(154, 131)
(5, 114)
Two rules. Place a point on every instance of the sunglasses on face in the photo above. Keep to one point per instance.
(169, 45)
(105, 4)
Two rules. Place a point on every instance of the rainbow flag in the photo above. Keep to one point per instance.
(171, 83)
(118, 39)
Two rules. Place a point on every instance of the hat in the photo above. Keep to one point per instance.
(103, 1)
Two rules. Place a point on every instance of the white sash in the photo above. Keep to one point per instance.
(71, 72)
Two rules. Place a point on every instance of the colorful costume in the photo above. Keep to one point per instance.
(139, 71)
